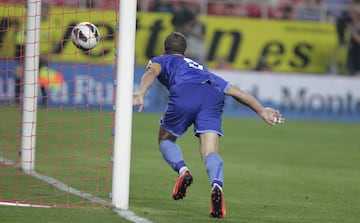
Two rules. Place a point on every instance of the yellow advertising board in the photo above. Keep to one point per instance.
(284, 46)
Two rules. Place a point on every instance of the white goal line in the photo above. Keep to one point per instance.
(129, 215)
(56, 183)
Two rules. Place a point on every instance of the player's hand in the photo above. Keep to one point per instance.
(138, 100)
(271, 116)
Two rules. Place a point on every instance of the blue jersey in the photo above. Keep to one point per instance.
(196, 96)
(177, 69)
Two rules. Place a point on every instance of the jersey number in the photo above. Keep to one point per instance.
(193, 64)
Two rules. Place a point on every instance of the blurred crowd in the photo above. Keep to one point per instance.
(316, 10)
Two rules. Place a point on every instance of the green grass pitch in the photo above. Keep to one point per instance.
(300, 172)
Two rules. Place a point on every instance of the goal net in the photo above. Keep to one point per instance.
(70, 124)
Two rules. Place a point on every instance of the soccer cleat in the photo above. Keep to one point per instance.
(182, 183)
(217, 204)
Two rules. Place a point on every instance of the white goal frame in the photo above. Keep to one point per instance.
(123, 114)
(30, 83)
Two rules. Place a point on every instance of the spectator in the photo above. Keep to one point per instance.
(20, 52)
(43, 84)
(181, 20)
(338, 12)
(286, 11)
(222, 63)
(43, 71)
(307, 10)
(19, 71)
(163, 6)
(262, 65)
(89, 4)
(354, 44)
(185, 21)
(196, 40)
(19, 55)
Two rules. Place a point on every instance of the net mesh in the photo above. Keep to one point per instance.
(75, 98)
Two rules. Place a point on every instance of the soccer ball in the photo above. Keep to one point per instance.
(85, 35)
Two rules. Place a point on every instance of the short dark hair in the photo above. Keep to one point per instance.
(175, 43)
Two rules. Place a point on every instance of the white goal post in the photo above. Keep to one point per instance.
(30, 84)
(123, 114)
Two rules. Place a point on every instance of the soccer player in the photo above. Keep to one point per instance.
(196, 97)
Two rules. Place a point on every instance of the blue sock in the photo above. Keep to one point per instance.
(172, 154)
(215, 169)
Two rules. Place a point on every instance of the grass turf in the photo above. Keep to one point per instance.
(303, 171)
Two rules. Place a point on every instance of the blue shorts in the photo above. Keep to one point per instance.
(198, 104)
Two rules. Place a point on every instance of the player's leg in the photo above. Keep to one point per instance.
(171, 151)
(207, 127)
(172, 154)
(44, 95)
(178, 116)
(215, 168)
(209, 147)
(182, 108)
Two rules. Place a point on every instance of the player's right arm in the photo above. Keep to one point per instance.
(147, 80)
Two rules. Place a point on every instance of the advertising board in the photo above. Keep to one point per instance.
(297, 96)
(284, 46)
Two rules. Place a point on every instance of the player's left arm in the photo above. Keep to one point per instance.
(146, 81)
(269, 115)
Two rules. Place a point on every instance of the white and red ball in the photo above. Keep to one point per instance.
(85, 35)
